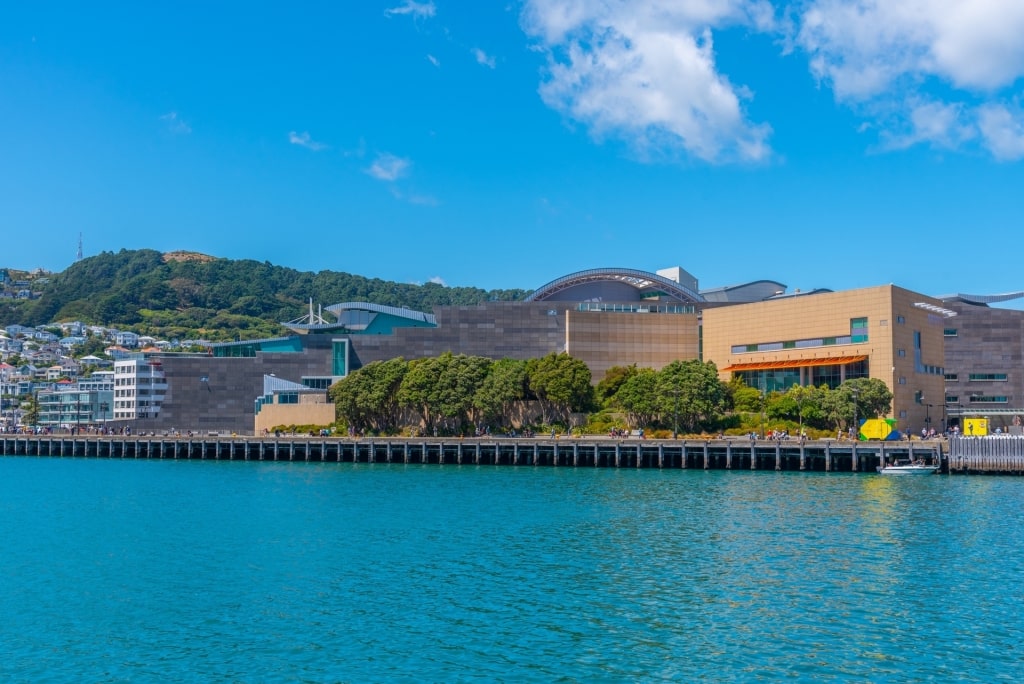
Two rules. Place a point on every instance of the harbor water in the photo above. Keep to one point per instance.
(231, 571)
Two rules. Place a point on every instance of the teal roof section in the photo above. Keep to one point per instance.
(364, 318)
(248, 348)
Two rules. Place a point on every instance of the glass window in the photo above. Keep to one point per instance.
(949, 332)
(952, 377)
(987, 377)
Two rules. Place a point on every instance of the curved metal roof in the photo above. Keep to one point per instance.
(641, 280)
(314, 323)
(981, 299)
(398, 311)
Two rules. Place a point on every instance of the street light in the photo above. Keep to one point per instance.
(856, 426)
(800, 407)
(675, 415)
(762, 413)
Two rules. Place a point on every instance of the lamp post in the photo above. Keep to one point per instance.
(927, 418)
(800, 407)
(762, 413)
(856, 426)
(675, 414)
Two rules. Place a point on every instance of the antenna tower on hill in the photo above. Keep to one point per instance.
(79, 256)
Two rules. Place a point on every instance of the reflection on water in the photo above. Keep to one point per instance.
(338, 572)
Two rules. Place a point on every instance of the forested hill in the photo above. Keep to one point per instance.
(187, 295)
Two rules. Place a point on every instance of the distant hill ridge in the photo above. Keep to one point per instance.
(184, 294)
(181, 255)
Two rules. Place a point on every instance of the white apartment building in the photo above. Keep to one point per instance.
(139, 388)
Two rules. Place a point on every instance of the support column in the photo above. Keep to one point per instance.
(728, 456)
(707, 457)
(828, 457)
(778, 456)
(854, 459)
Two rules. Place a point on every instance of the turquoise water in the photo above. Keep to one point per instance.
(118, 571)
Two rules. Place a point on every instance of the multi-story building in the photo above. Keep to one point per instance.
(74, 407)
(614, 317)
(885, 332)
(139, 388)
(984, 361)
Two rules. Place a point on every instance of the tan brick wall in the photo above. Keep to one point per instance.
(828, 315)
(606, 339)
(271, 415)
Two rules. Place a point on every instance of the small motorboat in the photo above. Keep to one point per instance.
(907, 467)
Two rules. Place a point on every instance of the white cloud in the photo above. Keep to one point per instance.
(483, 58)
(415, 9)
(175, 124)
(303, 140)
(645, 72)
(388, 167)
(1002, 131)
(433, 60)
(941, 72)
(437, 280)
(940, 124)
(864, 47)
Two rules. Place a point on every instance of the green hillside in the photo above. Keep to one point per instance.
(185, 295)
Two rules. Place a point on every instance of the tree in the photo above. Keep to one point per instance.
(366, 398)
(505, 384)
(459, 380)
(420, 390)
(691, 391)
(561, 385)
(613, 379)
(873, 399)
(637, 397)
(744, 397)
(31, 415)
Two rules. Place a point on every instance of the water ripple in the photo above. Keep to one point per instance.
(235, 572)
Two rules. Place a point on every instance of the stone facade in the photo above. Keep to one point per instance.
(896, 319)
(984, 363)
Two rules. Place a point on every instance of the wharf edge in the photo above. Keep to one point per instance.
(712, 454)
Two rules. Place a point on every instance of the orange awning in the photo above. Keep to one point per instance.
(797, 363)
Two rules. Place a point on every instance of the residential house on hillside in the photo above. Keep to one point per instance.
(72, 328)
(41, 357)
(126, 338)
(117, 352)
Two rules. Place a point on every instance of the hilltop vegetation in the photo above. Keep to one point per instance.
(187, 295)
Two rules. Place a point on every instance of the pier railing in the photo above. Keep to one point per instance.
(993, 454)
(712, 454)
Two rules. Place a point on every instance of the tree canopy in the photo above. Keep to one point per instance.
(217, 299)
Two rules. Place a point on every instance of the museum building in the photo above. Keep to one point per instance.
(605, 317)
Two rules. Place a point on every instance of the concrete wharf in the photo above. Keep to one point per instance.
(992, 454)
(589, 452)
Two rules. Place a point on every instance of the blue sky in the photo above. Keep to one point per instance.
(821, 143)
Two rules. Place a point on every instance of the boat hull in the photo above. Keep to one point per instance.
(909, 470)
